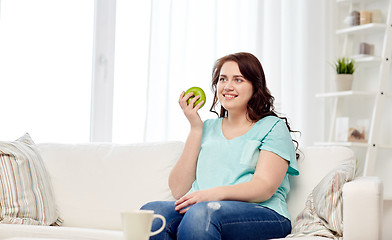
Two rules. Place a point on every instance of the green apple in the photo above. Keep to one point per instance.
(197, 92)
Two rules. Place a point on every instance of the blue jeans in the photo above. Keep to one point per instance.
(219, 220)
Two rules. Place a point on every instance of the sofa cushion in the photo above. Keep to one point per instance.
(314, 164)
(323, 214)
(29, 232)
(94, 182)
(26, 191)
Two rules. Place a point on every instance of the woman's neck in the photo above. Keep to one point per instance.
(236, 125)
(238, 119)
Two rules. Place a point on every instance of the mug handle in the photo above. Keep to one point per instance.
(163, 224)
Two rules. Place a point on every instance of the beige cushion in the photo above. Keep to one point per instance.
(26, 191)
(323, 215)
(314, 164)
(94, 182)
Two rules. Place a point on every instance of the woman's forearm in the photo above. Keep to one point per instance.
(184, 172)
(256, 190)
(269, 174)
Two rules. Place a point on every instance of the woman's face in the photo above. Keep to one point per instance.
(234, 91)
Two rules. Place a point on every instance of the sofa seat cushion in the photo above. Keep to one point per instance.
(14, 231)
(25, 187)
(94, 182)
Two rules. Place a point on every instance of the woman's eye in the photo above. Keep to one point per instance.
(222, 79)
(238, 80)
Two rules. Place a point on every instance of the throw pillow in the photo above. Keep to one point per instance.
(26, 191)
(323, 213)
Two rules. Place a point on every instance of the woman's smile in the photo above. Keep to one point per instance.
(229, 96)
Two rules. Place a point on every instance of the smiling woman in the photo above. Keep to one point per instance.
(232, 175)
(45, 69)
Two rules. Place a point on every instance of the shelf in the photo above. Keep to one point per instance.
(353, 1)
(345, 144)
(352, 144)
(363, 58)
(385, 146)
(370, 27)
(388, 197)
(347, 93)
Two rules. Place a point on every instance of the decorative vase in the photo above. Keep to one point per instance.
(344, 82)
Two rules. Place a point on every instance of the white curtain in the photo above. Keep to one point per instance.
(162, 48)
(305, 36)
(188, 36)
(295, 53)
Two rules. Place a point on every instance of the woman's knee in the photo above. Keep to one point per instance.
(151, 205)
(198, 212)
(200, 222)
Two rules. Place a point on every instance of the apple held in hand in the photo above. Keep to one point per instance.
(197, 92)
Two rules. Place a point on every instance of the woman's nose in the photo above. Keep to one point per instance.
(228, 86)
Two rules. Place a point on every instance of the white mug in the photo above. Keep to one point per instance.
(137, 224)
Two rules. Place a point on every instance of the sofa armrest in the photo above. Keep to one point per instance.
(363, 209)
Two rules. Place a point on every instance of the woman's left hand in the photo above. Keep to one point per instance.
(185, 202)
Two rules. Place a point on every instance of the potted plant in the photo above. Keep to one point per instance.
(345, 68)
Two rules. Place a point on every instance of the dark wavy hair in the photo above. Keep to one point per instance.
(261, 104)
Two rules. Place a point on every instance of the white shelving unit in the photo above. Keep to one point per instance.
(372, 83)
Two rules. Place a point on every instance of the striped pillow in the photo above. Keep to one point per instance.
(323, 213)
(25, 187)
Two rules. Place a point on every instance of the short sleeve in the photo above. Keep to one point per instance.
(278, 140)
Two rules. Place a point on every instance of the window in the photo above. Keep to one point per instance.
(45, 69)
(161, 48)
(131, 70)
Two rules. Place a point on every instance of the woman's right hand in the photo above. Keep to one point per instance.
(183, 173)
(190, 111)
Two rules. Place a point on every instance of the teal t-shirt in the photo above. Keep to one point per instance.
(225, 162)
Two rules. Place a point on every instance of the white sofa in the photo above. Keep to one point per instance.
(94, 182)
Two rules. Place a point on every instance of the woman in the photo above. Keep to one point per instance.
(231, 180)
